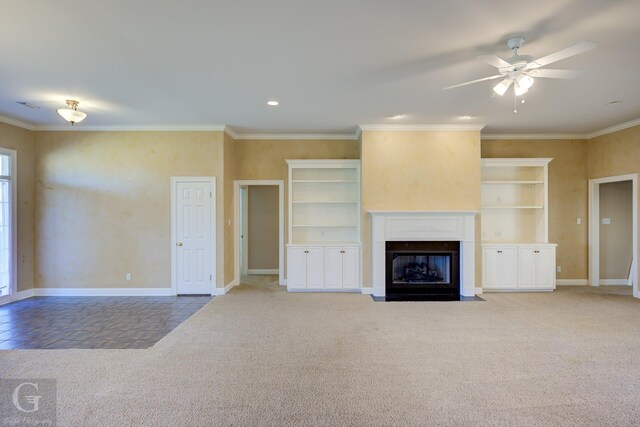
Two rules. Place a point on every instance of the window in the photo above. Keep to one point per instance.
(7, 223)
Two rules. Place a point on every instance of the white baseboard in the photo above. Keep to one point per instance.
(265, 271)
(572, 282)
(618, 282)
(367, 291)
(227, 288)
(324, 290)
(478, 291)
(25, 294)
(102, 292)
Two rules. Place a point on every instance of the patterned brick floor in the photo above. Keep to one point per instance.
(93, 322)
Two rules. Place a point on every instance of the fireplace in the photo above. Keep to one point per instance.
(422, 270)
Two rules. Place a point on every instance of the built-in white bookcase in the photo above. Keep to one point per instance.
(323, 251)
(324, 201)
(516, 253)
(515, 201)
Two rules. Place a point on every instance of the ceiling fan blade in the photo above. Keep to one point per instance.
(497, 76)
(562, 54)
(494, 60)
(554, 74)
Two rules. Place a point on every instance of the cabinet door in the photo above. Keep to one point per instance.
(296, 267)
(315, 267)
(546, 260)
(508, 268)
(333, 267)
(491, 268)
(528, 266)
(350, 267)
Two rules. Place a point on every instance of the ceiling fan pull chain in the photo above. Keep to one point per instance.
(515, 103)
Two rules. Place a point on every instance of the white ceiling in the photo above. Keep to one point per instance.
(331, 64)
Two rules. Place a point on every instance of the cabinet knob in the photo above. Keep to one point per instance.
(537, 252)
(499, 252)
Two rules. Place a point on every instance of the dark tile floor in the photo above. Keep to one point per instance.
(93, 322)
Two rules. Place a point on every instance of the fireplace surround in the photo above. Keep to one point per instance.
(423, 226)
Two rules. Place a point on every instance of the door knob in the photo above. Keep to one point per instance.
(179, 244)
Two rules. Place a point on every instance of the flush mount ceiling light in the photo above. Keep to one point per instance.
(466, 117)
(521, 70)
(273, 103)
(396, 116)
(71, 113)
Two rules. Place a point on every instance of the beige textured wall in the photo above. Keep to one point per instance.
(615, 154)
(417, 171)
(22, 141)
(263, 227)
(616, 245)
(229, 176)
(568, 195)
(103, 204)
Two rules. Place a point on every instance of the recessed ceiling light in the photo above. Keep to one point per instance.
(467, 117)
(613, 102)
(273, 103)
(396, 116)
(27, 104)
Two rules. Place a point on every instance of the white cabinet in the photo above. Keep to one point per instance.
(323, 267)
(499, 267)
(518, 267)
(341, 267)
(537, 265)
(305, 267)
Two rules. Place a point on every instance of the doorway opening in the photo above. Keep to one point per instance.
(613, 233)
(8, 226)
(259, 229)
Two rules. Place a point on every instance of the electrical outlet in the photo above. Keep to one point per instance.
(559, 269)
(606, 221)
(128, 276)
(578, 221)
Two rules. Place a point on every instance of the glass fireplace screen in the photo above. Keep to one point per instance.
(421, 269)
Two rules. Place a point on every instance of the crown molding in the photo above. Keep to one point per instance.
(130, 128)
(536, 136)
(231, 133)
(16, 122)
(615, 128)
(293, 136)
(436, 128)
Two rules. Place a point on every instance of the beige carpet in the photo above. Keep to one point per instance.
(262, 356)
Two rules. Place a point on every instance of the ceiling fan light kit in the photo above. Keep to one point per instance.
(520, 70)
(71, 113)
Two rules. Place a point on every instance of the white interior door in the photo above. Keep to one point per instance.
(193, 226)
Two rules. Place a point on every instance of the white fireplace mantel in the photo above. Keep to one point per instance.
(424, 226)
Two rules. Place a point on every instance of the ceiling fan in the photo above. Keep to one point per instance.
(521, 70)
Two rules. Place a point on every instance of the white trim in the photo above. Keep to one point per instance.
(536, 136)
(236, 224)
(615, 128)
(435, 128)
(572, 282)
(614, 282)
(214, 232)
(19, 296)
(295, 136)
(594, 228)
(478, 291)
(101, 292)
(130, 128)
(226, 289)
(231, 132)
(367, 291)
(16, 122)
(13, 221)
(325, 290)
(263, 271)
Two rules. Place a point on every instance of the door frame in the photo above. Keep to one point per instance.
(174, 259)
(594, 227)
(236, 221)
(244, 216)
(13, 241)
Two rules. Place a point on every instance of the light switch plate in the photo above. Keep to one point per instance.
(606, 221)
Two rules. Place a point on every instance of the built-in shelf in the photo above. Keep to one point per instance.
(513, 207)
(512, 182)
(318, 202)
(323, 181)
